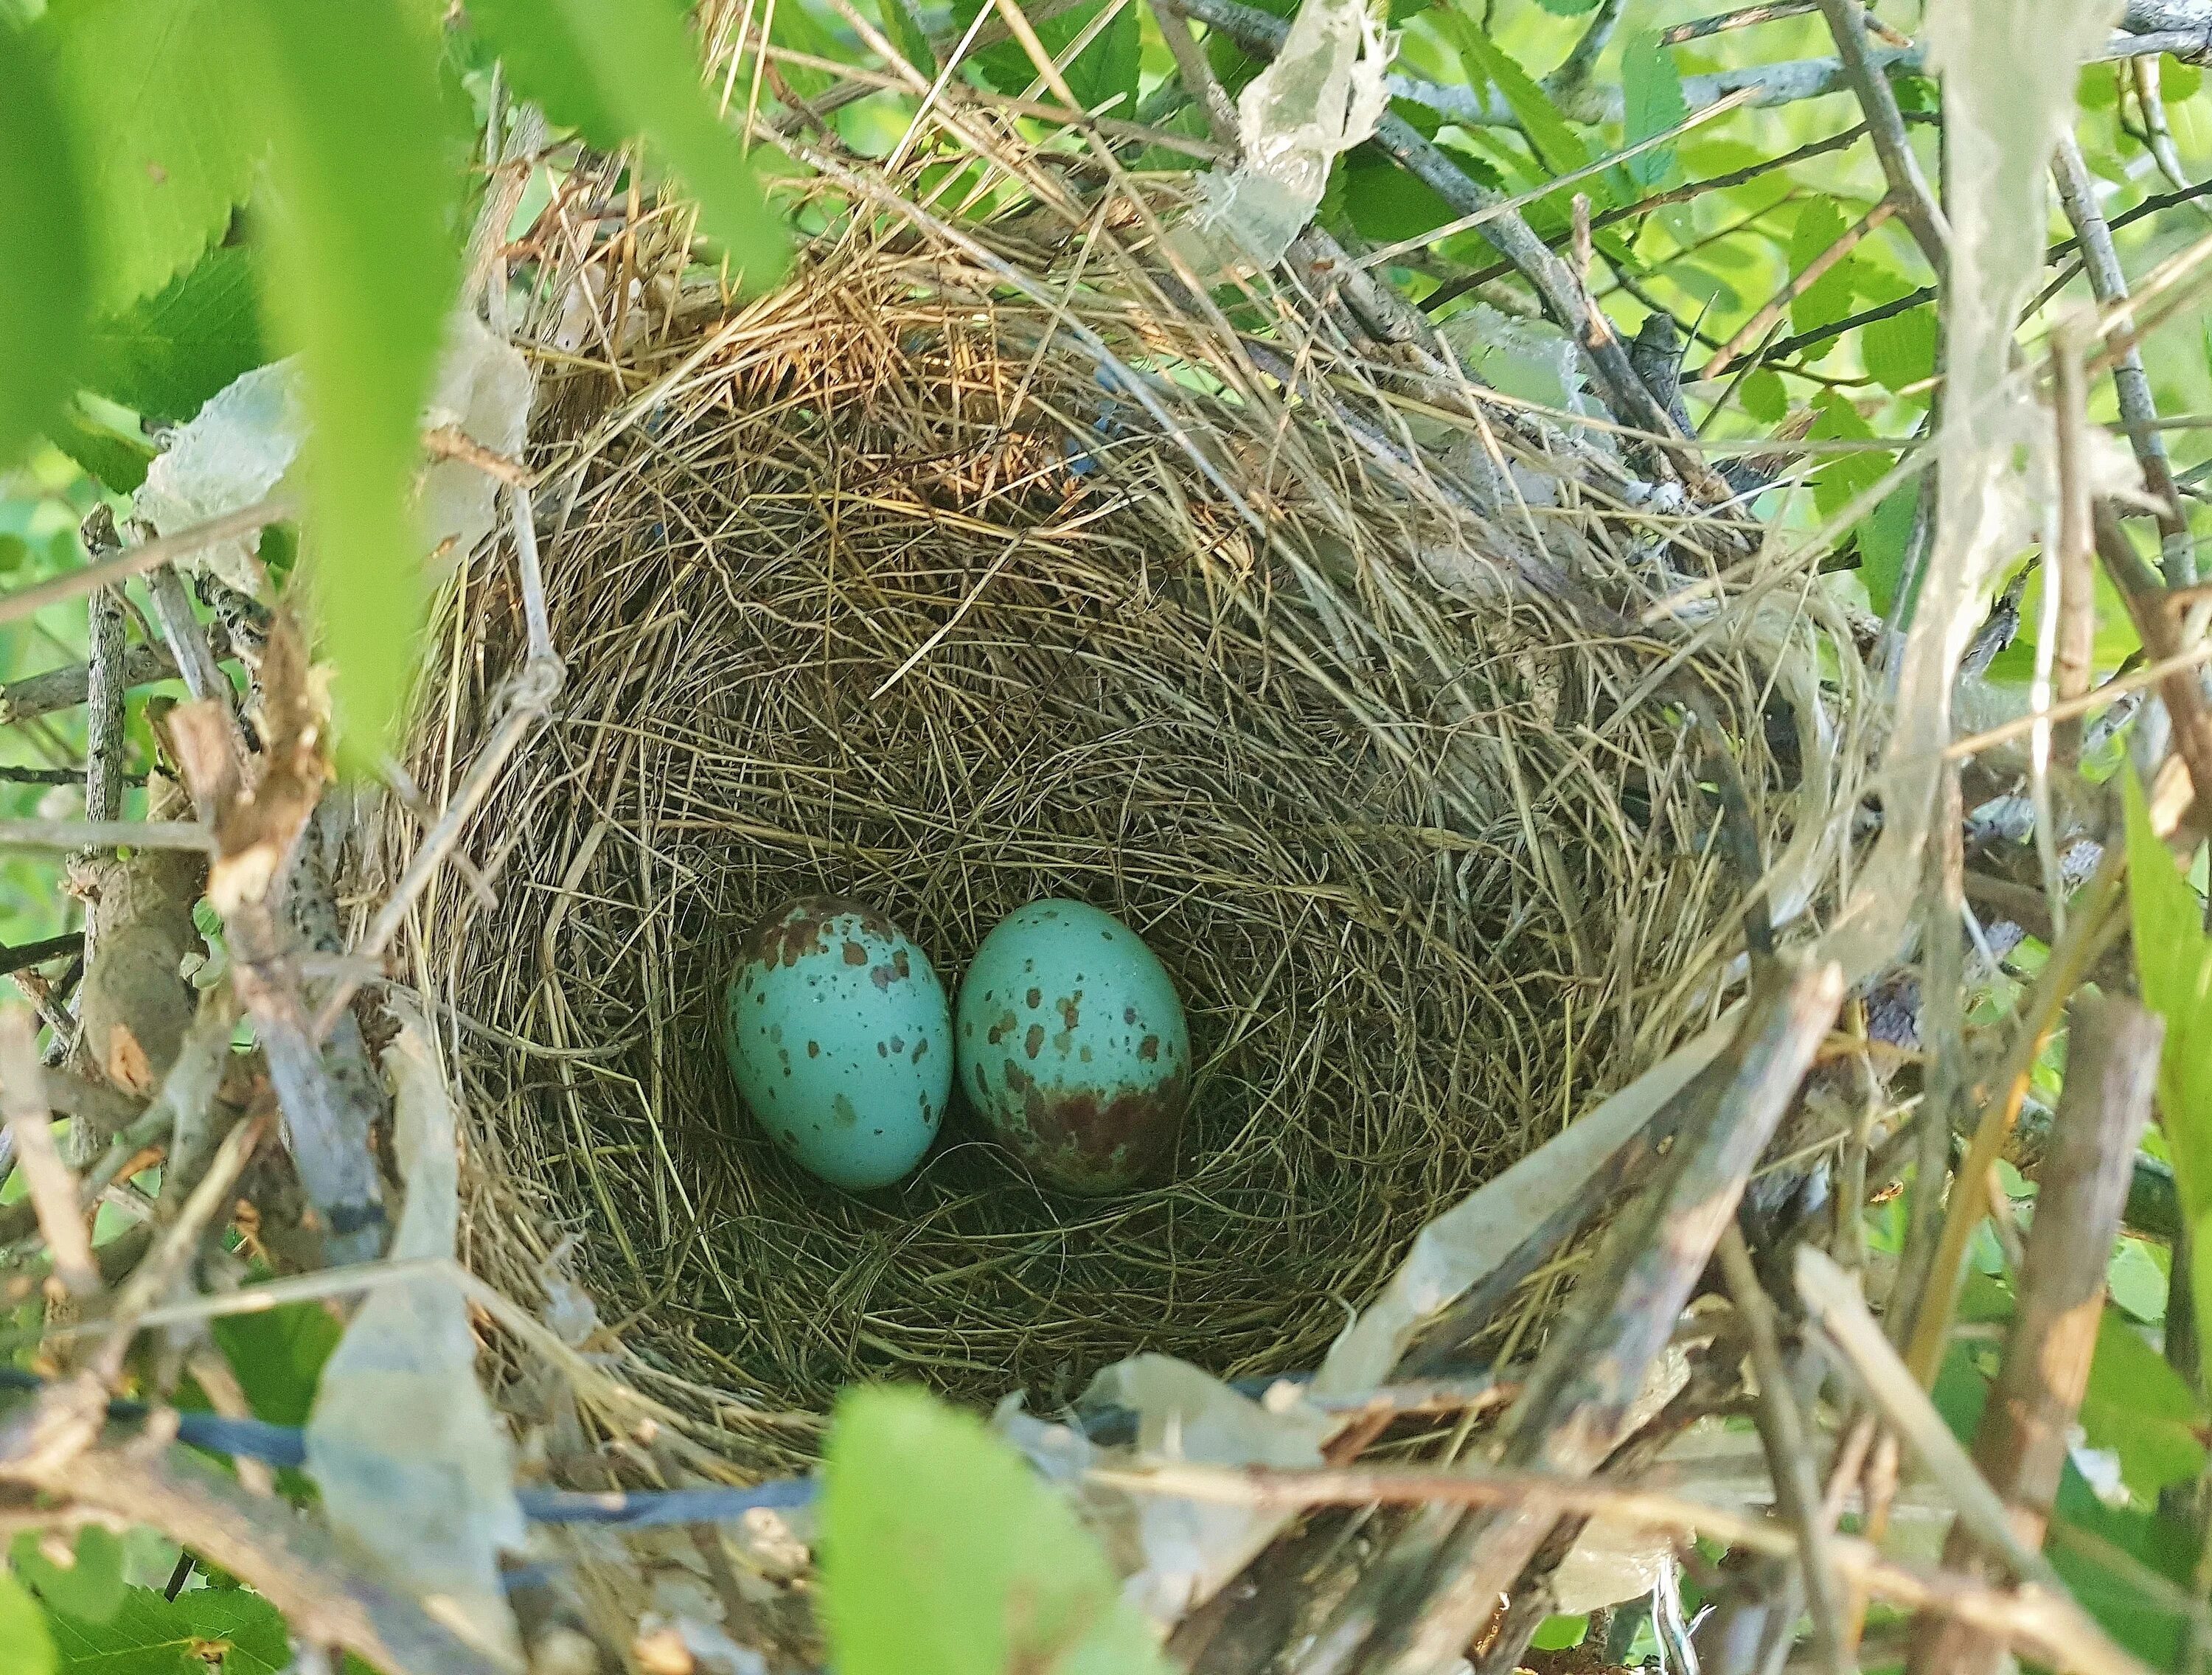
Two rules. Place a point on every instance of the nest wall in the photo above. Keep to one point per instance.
(892, 586)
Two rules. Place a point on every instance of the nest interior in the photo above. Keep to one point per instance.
(885, 586)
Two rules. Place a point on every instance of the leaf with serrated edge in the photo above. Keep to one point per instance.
(619, 68)
(359, 276)
(204, 1631)
(43, 257)
(167, 353)
(1651, 92)
(943, 1555)
(163, 100)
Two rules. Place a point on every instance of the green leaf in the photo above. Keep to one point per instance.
(1846, 476)
(1765, 396)
(1820, 223)
(942, 1555)
(359, 276)
(116, 455)
(166, 104)
(2173, 964)
(1568, 8)
(24, 1631)
(1652, 89)
(616, 68)
(279, 1355)
(203, 1631)
(1557, 144)
(1901, 351)
(1884, 535)
(91, 1588)
(166, 356)
(1107, 66)
(1557, 1634)
(2139, 1407)
(45, 264)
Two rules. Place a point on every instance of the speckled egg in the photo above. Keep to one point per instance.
(841, 1041)
(1073, 1046)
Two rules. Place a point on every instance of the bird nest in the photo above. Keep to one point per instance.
(956, 573)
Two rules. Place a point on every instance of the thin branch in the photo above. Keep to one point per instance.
(1907, 183)
(2130, 383)
(136, 561)
(2044, 1624)
(1832, 1299)
(65, 689)
(2027, 1423)
(30, 1125)
(105, 834)
(1760, 323)
(27, 955)
(1197, 76)
(1782, 1428)
(2074, 656)
(1566, 84)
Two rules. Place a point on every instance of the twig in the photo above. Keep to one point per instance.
(2074, 956)
(2045, 1625)
(195, 659)
(2162, 637)
(105, 834)
(52, 1189)
(282, 1557)
(1569, 1416)
(1788, 1450)
(1745, 17)
(65, 689)
(1908, 186)
(1831, 1297)
(2130, 383)
(2074, 655)
(2158, 133)
(33, 953)
(1196, 72)
(105, 740)
(452, 442)
(1760, 323)
(136, 561)
(1566, 83)
(165, 1263)
(2111, 1072)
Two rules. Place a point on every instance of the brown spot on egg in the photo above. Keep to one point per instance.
(1033, 1043)
(1070, 1012)
(898, 1044)
(1149, 1049)
(814, 1049)
(1034, 1000)
(999, 1030)
(920, 1047)
(854, 954)
(1128, 1015)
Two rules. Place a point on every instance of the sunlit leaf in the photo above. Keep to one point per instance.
(167, 353)
(1901, 351)
(165, 104)
(1765, 396)
(1109, 65)
(44, 259)
(943, 1555)
(1820, 223)
(23, 1630)
(2173, 963)
(1845, 476)
(358, 278)
(90, 1588)
(1555, 142)
(617, 69)
(2139, 1407)
(1652, 88)
(203, 1631)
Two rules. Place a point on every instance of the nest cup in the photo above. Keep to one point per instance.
(903, 586)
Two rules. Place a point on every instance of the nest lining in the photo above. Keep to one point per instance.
(871, 596)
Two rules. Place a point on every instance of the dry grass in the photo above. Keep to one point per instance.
(885, 586)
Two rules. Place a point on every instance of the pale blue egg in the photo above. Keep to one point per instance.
(840, 1040)
(1073, 1047)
